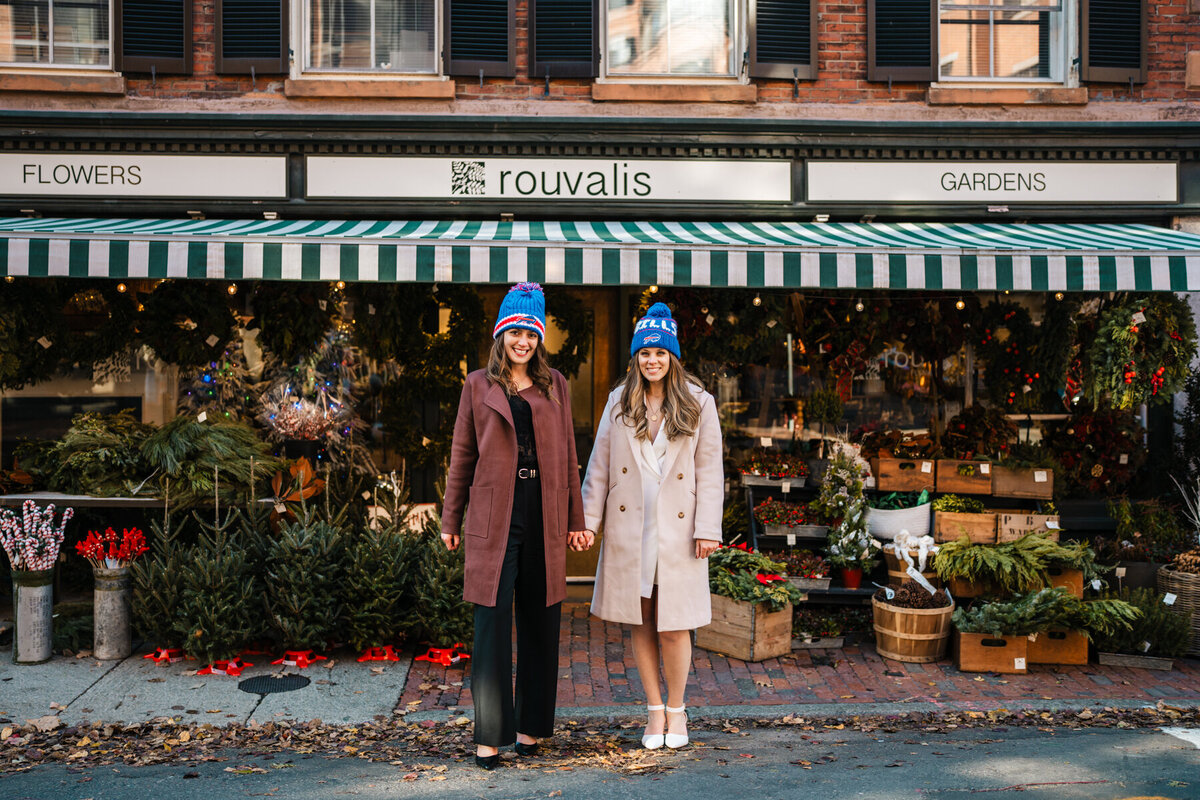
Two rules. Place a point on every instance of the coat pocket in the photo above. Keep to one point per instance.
(479, 512)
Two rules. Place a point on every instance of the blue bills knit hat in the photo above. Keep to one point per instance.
(656, 329)
(523, 307)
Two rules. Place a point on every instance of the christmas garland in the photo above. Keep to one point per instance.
(1098, 453)
(186, 322)
(1142, 351)
(33, 333)
(113, 335)
(293, 318)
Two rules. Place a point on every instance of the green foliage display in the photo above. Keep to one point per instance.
(739, 332)
(1142, 351)
(99, 455)
(850, 546)
(188, 457)
(1098, 452)
(218, 609)
(743, 574)
(441, 616)
(1159, 631)
(112, 318)
(292, 317)
(1044, 609)
(1146, 530)
(958, 504)
(1012, 567)
(1187, 434)
(156, 586)
(842, 488)
(378, 577)
(301, 588)
(978, 432)
(33, 332)
(186, 322)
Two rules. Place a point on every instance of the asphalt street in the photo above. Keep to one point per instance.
(762, 763)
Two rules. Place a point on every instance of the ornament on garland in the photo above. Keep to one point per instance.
(1142, 351)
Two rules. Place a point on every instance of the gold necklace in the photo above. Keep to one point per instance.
(652, 413)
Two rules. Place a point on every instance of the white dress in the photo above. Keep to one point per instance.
(650, 457)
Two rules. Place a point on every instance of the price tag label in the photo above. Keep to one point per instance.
(710, 319)
(1169, 599)
(888, 592)
(1120, 572)
(1018, 663)
(764, 441)
(1139, 318)
(202, 416)
(1052, 524)
(371, 309)
(985, 469)
(1145, 647)
(791, 539)
(1096, 584)
(1039, 476)
(926, 466)
(1124, 459)
(1032, 637)
(771, 323)
(322, 304)
(45, 343)
(1026, 389)
(280, 508)
(212, 340)
(786, 487)
(366, 495)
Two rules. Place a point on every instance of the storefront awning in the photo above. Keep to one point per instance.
(958, 256)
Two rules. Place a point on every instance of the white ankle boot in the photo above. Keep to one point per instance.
(653, 741)
(676, 740)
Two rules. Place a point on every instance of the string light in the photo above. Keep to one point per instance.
(654, 288)
(858, 306)
(757, 300)
(340, 285)
(231, 288)
(1058, 296)
(960, 305)
(9, 279)
(121, 288)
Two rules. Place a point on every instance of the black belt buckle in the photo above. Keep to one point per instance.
(526, 473)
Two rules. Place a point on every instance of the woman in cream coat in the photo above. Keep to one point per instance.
(655, 484)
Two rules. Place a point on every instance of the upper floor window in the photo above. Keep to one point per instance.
(1001, 39)
(686, 38)
(61, 33)
(372, 35)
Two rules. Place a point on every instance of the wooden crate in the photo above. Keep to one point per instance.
(1135, 661)
(746, 630)
(1059, 646)
(977, 481)
(962, 588)
(981, 652)
(1069, 579)
(1010, 527)
(903, 474)
(949, 526)
(1037, 484)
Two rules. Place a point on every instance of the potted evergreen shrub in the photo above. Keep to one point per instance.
(752, 605)
(851, 548)
(1159, 637)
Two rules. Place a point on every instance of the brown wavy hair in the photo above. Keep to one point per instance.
(499, 369)
(681, 409)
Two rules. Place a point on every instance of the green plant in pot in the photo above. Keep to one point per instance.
(824, 406)
(851, 548)
(1044, 609)
(741, 573)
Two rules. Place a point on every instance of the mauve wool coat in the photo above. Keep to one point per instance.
(690, 504)
(483, 473)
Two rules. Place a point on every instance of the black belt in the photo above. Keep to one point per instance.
(527, 473)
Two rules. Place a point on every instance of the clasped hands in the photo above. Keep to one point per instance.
(580, 540)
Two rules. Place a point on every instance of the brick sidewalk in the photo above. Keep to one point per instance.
(597, 669)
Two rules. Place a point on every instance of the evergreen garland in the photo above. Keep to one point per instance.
(193, 456)
(302, 585)
(1039, 611)
(33, 333)
(186, 322)
(293, 318)
(117, 312)
(1142, 351)
(99, 455)
(217, 609)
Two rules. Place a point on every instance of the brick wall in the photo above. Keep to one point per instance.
(842, 49)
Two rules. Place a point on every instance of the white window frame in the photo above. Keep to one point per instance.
(739, 56)
(106, 67)
(301, 19)
(1067, 47)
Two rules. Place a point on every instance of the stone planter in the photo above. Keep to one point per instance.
(33, 615)
(808, 584)
(111, 614)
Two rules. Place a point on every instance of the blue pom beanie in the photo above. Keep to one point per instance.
(656, 329)
(523, 307)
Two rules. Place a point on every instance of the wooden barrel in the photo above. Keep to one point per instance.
(897, 569)
(915, 635)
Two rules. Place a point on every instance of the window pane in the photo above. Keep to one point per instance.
(404, 40)
(669, 37)
(81, 32)
(1022, 41)
(1000, 42)
(342, 33)
(25, 33)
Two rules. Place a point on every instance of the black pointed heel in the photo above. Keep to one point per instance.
(488, 763)
(526, 749)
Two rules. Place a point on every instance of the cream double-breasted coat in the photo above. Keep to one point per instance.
(690, 502)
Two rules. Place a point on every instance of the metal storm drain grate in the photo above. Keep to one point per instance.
(269, 684)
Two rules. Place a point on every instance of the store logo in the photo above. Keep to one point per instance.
(466, 177)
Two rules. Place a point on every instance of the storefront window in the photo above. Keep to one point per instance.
(671, 37)
(1009, 39)
(55, 33)
(372, 35)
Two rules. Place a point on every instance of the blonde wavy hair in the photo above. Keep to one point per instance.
(681, 409)
(499, 369)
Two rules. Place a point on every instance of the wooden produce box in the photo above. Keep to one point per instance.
(981, 652)
(1010, 527)
(1059, 646)
(746, 630)
(977, 480)
(1037, 484)
(949, 526)
(903, 474)
(961, 588)
(1069, 579)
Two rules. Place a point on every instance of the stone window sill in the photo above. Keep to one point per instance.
(360, 87)
(1007, 95)
(61, 82)
(637, 92)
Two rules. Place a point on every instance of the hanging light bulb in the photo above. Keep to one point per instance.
(231, 288)
(121, 288)
(960, 305)
(8, 279)
(757, 300)
(1058, 296)
(654, 288)
(340, 285)
(858, 306)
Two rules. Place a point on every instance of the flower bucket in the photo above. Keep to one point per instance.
(33, 615)
(852, 577)
(111, 613)
(913, 635)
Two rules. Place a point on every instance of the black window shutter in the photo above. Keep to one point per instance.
(1113, 41)
(562, 42)
(479, 36)
(902, 40)
(783, 39)
(252, 35)
(154, 36)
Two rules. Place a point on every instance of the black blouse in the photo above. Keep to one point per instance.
(522, 416)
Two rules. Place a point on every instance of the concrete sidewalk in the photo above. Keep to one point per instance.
(597, 680)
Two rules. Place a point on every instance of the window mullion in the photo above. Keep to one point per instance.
(50, 30)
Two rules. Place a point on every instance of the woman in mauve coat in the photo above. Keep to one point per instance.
(514, 470)
(655, 484)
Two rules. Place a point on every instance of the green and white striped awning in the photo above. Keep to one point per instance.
(764, 254)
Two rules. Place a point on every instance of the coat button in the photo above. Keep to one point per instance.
(622, 508)
(680, 476)
(681, 515)
(624, 470)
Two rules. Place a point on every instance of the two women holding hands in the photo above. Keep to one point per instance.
(654, 485)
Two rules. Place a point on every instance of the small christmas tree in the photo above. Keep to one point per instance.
(440, 615)
(218, 591)
(156, 586)
(379, 568)
(302, 585)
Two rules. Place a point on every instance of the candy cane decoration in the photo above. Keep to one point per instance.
(32, 541)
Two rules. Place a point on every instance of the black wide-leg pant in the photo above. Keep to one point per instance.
(523, 578)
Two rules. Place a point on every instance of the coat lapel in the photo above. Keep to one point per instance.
(674, 448)
(496, 399)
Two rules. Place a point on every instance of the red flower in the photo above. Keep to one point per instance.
(766, 580)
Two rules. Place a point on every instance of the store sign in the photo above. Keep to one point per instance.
(550, 179)
(990, 182)
(126, 175)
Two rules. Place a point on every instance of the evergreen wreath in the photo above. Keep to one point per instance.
(1142, 351)
(33, 332)
(1006, 341)
(117, 312)
(575, 319)
(180, 318)
(293, 318)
